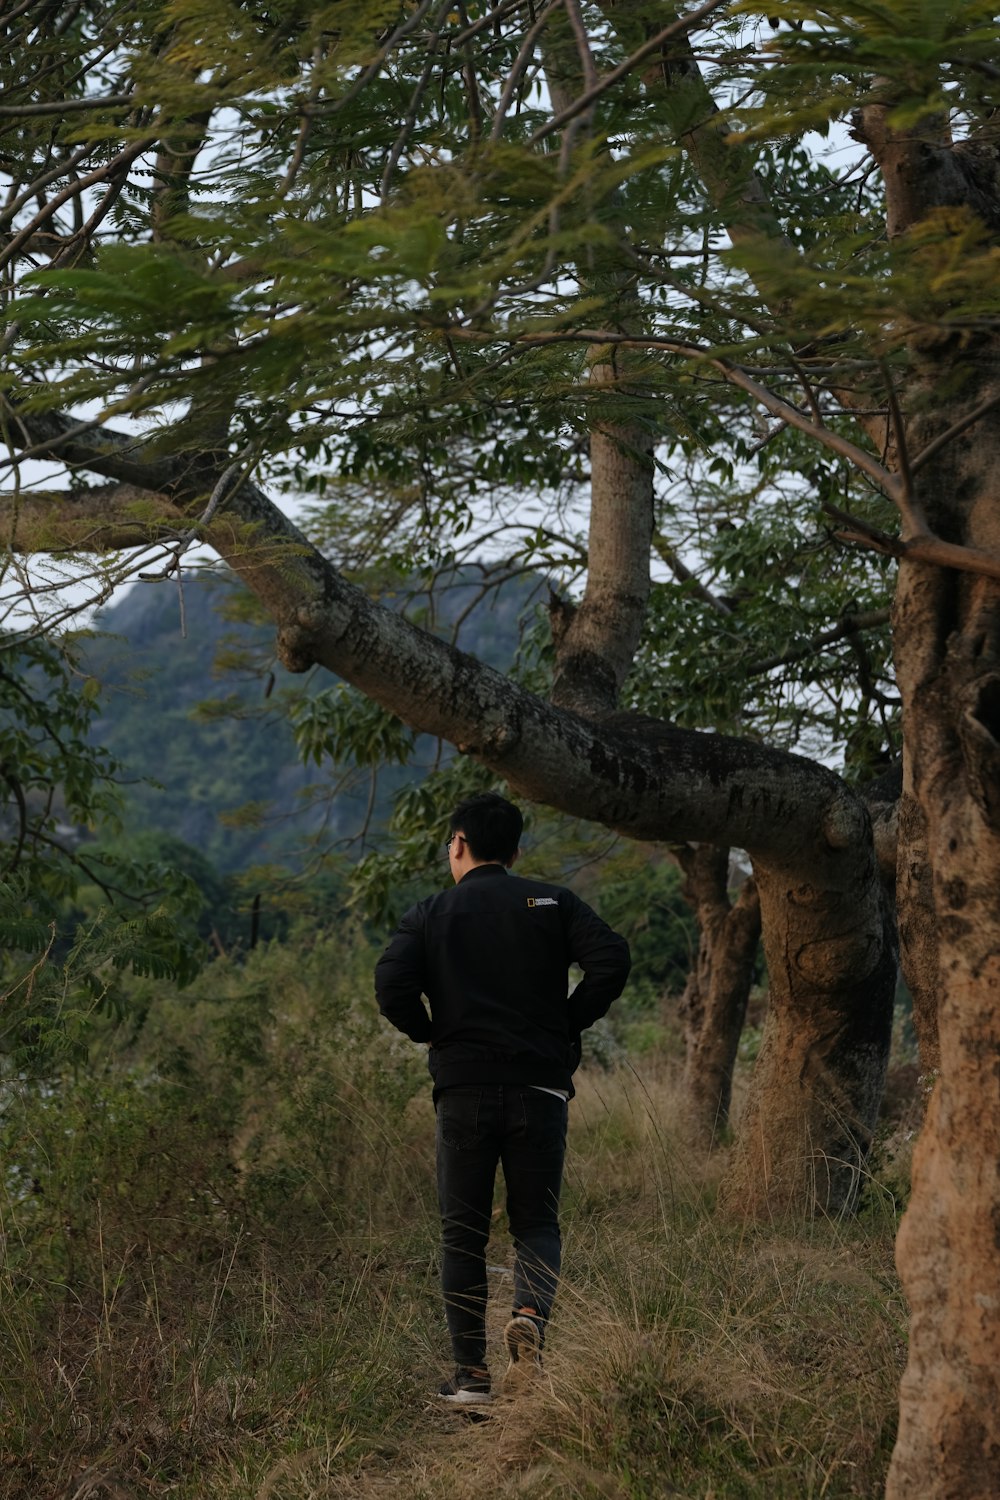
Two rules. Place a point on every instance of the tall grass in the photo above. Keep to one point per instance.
(219, 1282)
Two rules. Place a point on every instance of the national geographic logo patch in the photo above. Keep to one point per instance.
(542, 901)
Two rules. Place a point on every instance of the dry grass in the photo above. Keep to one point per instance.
(194, 1309)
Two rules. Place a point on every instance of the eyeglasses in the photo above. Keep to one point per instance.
(450, 840)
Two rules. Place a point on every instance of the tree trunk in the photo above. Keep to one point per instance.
(714, 1002)
(816, 1088)
(918, 930)
(947, 644)
(948, 1251)
(596, 641)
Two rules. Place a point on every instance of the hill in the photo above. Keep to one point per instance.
(196, 706)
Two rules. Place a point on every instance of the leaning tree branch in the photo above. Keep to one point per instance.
(914, 521)
(925, 549)
(950, 433)
(646, 779)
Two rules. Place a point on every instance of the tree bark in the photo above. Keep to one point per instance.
(714, 1003)
(816, 1088)
(918, 930)
(948, 1251)
(596, 642)
(947, 644)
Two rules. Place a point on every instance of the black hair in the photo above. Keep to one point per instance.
(491, 826)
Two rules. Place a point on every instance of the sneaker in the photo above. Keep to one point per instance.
(467, 1388)
(523, 1337)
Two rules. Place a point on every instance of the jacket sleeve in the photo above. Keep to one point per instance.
(604, 958)
(400, 977)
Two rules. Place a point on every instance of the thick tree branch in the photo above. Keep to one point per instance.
(642, 778)
(924, 549)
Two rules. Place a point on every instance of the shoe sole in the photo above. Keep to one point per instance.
(523, 1341)
(466, 1398)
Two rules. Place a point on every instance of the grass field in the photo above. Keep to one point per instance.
(219, 1282)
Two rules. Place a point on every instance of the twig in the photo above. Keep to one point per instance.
(410, 119)
(498, 13)
(914, 521)
(955, 430)
(811, 396)
(241, 465)
(100, 174)
(520, 65)
(471, 83)
(683, 574)
(767, 438)
(52, 175)
(298, 154)
(677, 27)
(66, 106)
(849, 625)
(411, 23)
(81, 428)
(590, 78)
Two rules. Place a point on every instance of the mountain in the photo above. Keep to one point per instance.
(195, 707)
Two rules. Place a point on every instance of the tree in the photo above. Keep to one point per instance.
(473, 249)
(72, 916)
(714, 1001)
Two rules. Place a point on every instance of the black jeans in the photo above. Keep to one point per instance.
(525, 1130)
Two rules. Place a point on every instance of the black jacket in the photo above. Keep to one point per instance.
(492, 956)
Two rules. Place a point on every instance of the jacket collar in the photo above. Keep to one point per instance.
(488, 869)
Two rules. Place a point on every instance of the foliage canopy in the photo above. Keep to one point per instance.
(366, 254)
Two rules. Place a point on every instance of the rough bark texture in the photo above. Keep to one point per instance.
(948, 1250)
(918, 930)
(596, 646)
(947, 643)
(713, 1006)
(818, 1081)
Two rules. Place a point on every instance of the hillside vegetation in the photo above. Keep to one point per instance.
(219, 1278)
(222, 771)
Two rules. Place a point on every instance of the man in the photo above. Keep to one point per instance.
(492, 956)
